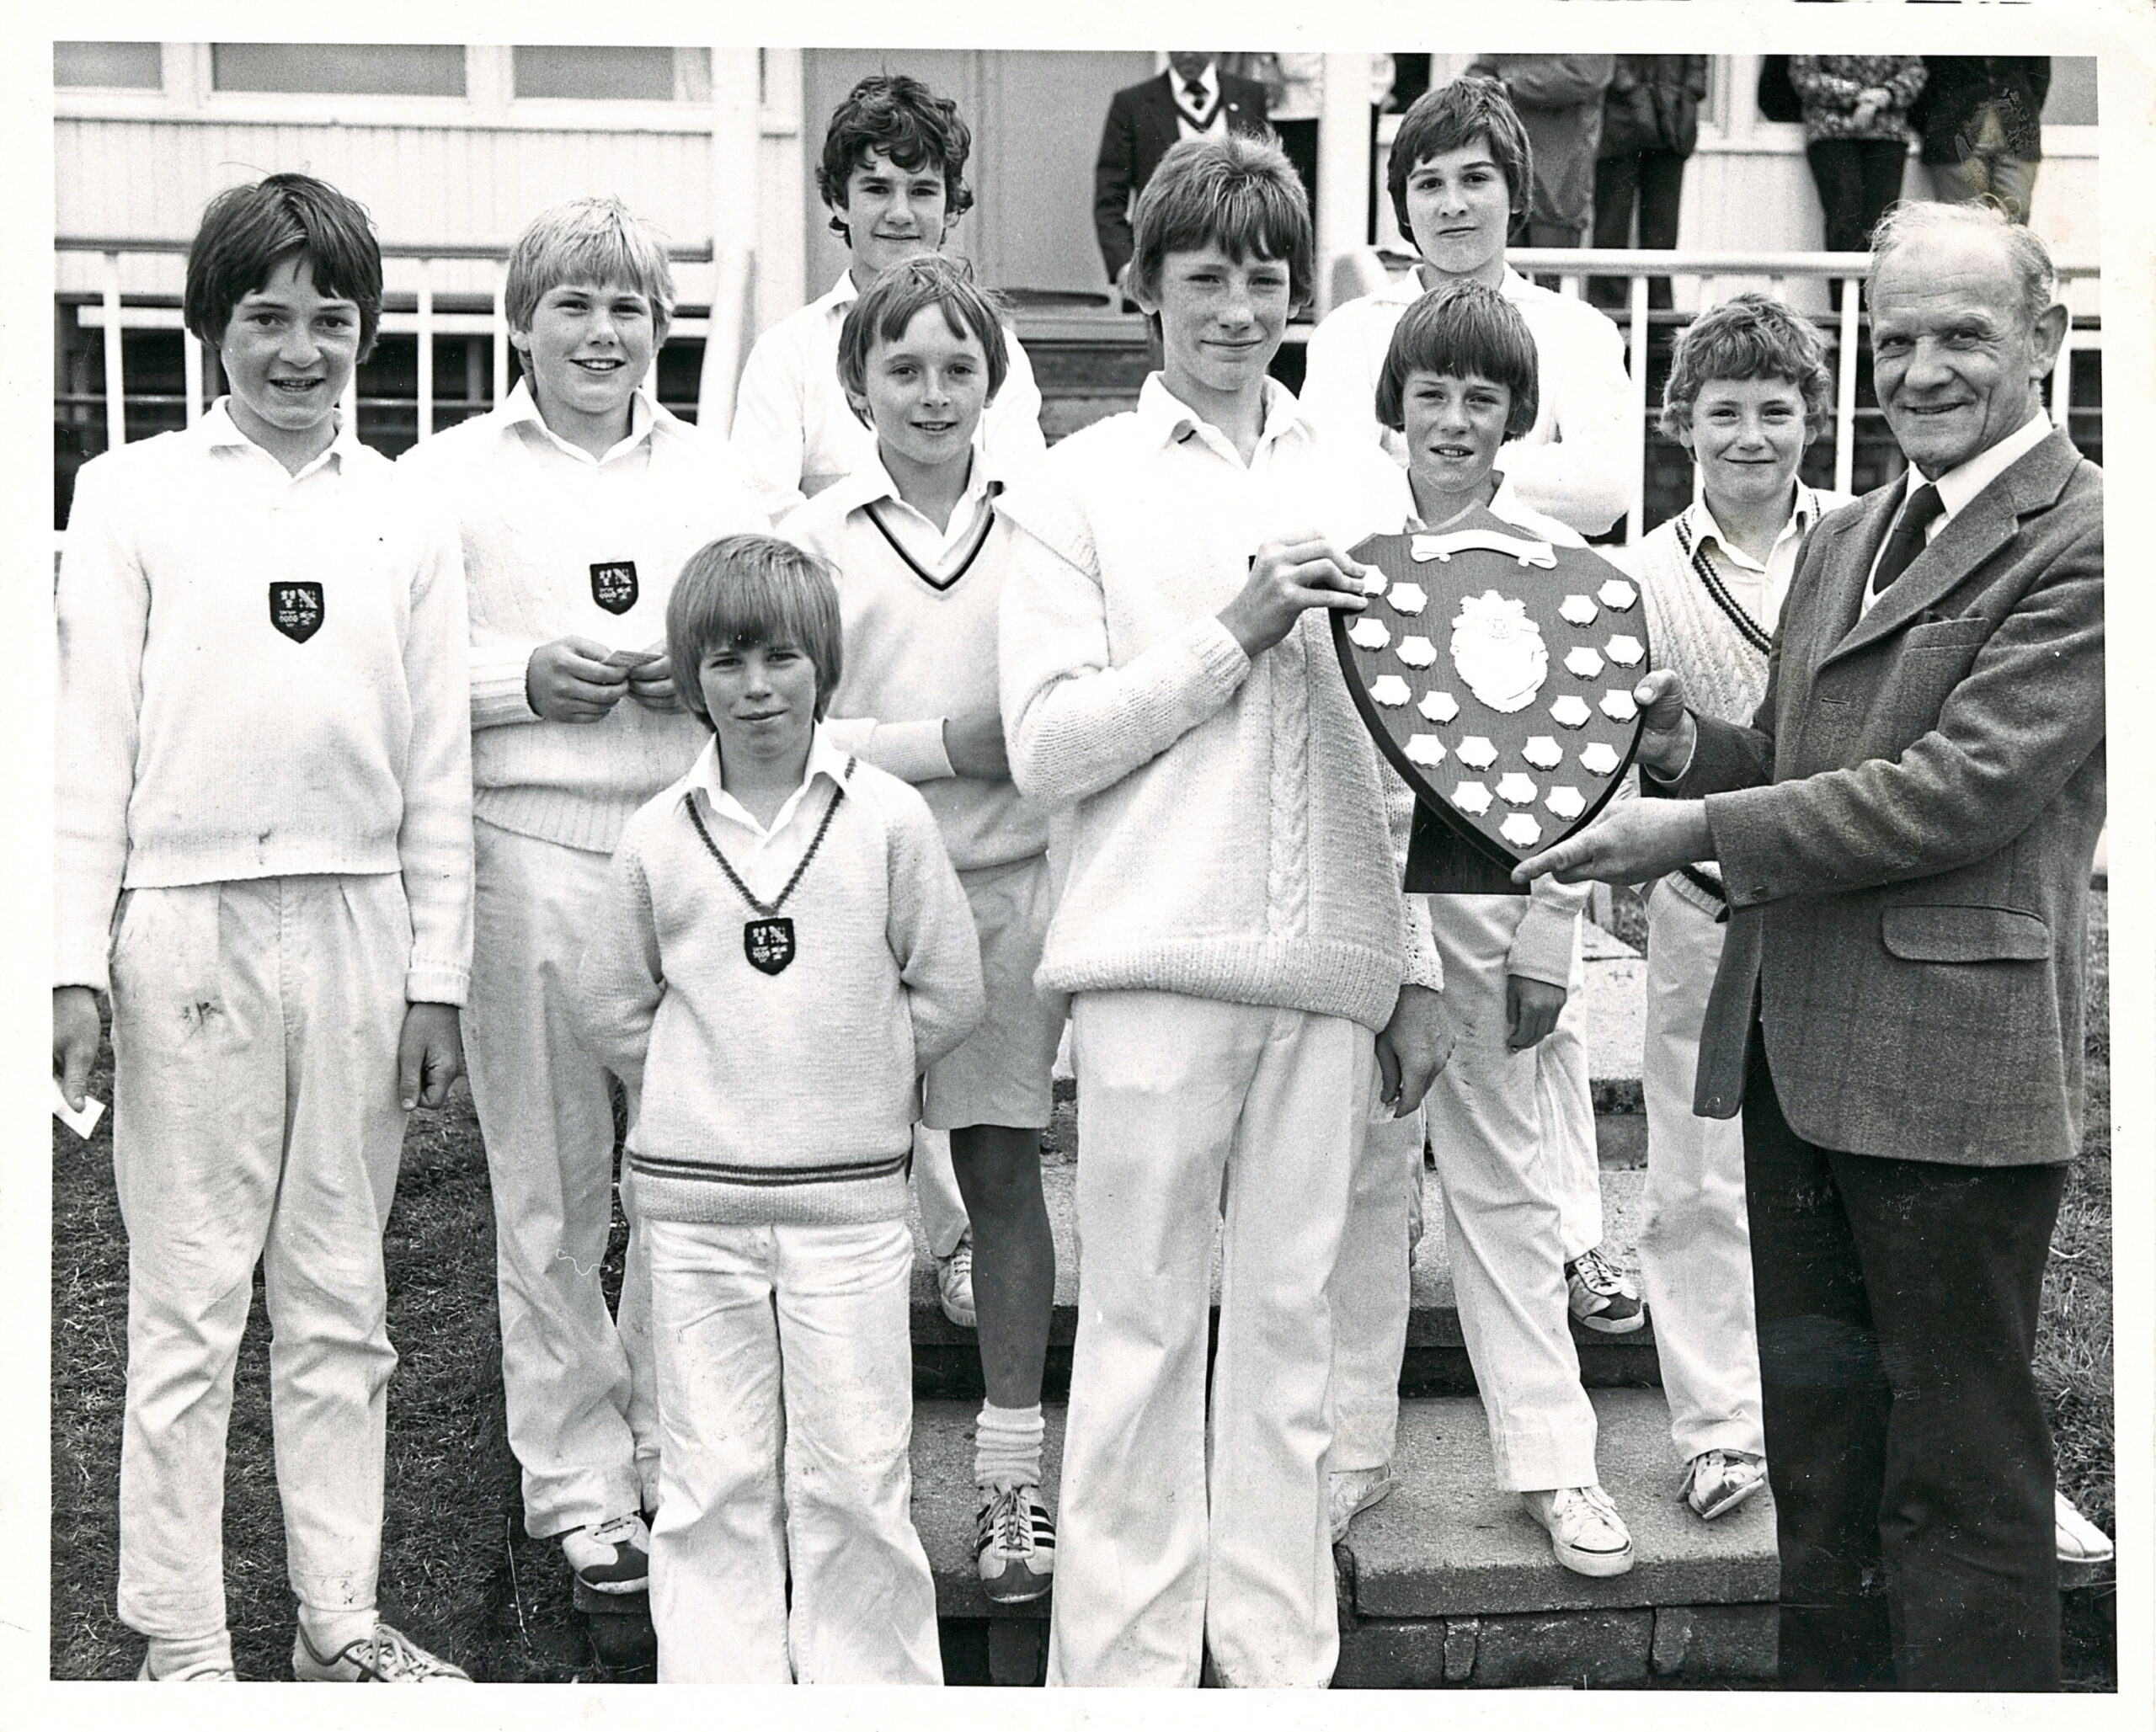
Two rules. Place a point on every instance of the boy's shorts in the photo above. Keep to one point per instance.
(1001, 1074)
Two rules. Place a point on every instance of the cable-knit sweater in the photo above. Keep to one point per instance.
(537, 515)
(1227, 836)
(762, 1098)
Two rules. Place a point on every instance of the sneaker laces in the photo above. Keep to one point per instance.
(1595, 1271)
(394, 1657)
(961, 1259)
(1596, 1499)
(1009, 1522)
(620, 1531)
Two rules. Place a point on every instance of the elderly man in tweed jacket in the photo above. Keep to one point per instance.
(1906, 830)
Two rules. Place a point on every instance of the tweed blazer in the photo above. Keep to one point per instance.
(1906, 829)
(1140, 127)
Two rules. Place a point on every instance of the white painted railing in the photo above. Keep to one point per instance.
(723, 329)
(1368, 269)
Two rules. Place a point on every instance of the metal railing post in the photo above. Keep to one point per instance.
(501, 330)
(115, 379)
(190, 352)
(1636, 512)
(426, 324)
(1845, 391)
(2062, 381)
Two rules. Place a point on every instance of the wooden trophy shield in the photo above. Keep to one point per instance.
(1495, 671)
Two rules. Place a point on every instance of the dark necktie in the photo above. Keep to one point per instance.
(1907, 541)
(1195, 102)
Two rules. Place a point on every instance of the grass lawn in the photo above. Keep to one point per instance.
(458, 1572)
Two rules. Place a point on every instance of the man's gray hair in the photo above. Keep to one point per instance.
(2031, 261)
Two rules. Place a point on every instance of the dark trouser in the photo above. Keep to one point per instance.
(1910, 1454)
(1858, 178)
(1654, 180)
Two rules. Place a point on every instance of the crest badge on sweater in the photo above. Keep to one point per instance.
(614, 585)
(1495, 670)
(296, 609)
(768, 944)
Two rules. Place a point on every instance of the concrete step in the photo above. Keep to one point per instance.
(946, 1360)
(1448, 1581)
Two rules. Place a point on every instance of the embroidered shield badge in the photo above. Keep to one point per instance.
(1495, 672)
(614, 585)
(768, 944)
(296, 609)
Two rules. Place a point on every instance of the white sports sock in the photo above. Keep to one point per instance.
(1007, 1446)
(329, 1633)
(177, 1659)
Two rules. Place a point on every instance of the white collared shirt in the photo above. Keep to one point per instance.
(1187, 124)
(1570, 465)
(521, 410)
(1760, 589)
(765, 855)
(795, 434)
(1959, 487)
(938, 552)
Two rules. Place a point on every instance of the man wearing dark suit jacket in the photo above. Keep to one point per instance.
(1907, 830)
(1191, 100)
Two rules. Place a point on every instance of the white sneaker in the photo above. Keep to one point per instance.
(1602, 1296)
(1014, 1545)
(1717, 1480)
(388, 1656)
(2080, 1540)
(1586, 1533)
(1353, 1491)
(610, 1557)
(954, 1285)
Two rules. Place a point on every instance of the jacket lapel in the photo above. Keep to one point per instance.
(1971, 537)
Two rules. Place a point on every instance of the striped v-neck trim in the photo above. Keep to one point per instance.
(1755, 634)
(943, 584)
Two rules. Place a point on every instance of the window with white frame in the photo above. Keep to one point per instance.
(108, 66)
(338, 68)
(586, 73)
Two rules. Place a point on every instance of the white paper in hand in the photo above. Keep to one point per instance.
(81, 1123)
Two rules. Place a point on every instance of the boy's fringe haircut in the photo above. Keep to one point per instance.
(908, 125)
(1748, 336)
(1240, 193)
(740, 591)
(1459, 331)
(883, 310)
(246, 232)
(1449, 117)
(595, 241)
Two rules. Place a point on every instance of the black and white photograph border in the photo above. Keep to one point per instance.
(65, 1277)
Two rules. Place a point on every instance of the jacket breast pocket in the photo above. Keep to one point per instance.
(1951, 934)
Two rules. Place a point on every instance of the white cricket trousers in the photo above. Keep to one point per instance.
(1370, 1292)
(254, 1033)
(1695, 1246)
(1509, 1132)
(786, 1346)
(578, 1385)
(1165, 1548)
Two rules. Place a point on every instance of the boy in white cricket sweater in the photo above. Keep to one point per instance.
(1233, 933)
(781, 948)
(1749, 390)
(919, 549)
(579, 498)
(1512, 1112)
(264, 851)
(1459, 170)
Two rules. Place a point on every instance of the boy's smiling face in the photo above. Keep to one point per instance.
(1221, 322)
(1458, 211)
(1748, 435)
(590, 346)
(761, 700)
(926, 392)
(1452, 429)
(288, 353)
(893, 214)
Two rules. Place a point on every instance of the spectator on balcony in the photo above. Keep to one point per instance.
(1558, 97)
(1650, 124)
(1195, 97)
(1856, 135)
(1294, 93)
(1981, 120)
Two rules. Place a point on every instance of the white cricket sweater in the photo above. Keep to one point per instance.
(197, 742)
(788, 1097)
(1227, 836)
(537, 514)
(1571, 464)
(920, 646)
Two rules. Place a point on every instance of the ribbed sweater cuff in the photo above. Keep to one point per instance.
(498, 689)
(435, 984)
(1542, 944)
(913, 750)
